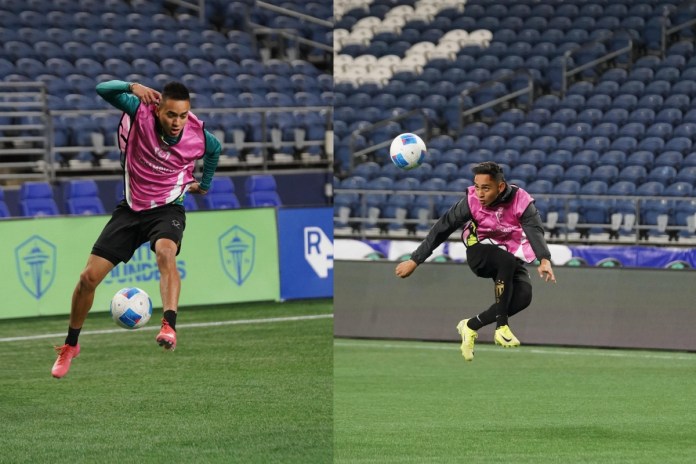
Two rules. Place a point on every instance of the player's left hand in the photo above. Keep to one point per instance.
(196, 188)
(545, 271)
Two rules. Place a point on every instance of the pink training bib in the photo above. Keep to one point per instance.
(499, 225)
(157, 174)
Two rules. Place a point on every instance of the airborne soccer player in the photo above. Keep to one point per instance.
(501, 230)
(160, 140)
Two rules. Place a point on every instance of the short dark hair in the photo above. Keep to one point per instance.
(175, 91)
(492, 169)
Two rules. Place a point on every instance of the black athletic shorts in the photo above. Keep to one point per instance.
(128, 229)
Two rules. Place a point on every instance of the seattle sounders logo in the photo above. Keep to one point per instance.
(237, 249)
(36, 265)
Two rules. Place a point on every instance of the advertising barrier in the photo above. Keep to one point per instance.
(306, 252)
(226, 256)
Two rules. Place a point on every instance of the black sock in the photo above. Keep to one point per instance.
(71, 339)
(474, 323)
(170, 317)
(501, 320)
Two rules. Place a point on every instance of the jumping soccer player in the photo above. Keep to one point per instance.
(161, 140)
(501, 228)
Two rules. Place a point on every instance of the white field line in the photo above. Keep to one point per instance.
(267, 320)
(535, 350)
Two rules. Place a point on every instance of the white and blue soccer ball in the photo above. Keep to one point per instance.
(131, 308)
(407, 151)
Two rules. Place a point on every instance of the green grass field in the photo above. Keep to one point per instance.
(417, 402)
(234, 393)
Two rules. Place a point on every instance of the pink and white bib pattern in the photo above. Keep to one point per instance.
(499, 225)
(157, 174)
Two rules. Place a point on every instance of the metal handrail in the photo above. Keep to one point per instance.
(666, 32)
(637, 200)
(529, 89)
(567, 73)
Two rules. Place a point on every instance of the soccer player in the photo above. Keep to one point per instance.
(161, 140)
(501, 228)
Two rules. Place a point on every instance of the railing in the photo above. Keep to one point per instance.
(27, 147)
(622, 226)
(197, 6)
(291, 34)
(270, 139)
(566, 73)
(28, 132)
(423, 131)
(666, 32)
(528, 89)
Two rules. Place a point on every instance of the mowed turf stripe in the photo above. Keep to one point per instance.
(534, 350)
(267, 320)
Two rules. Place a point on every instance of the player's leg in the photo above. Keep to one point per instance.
(170, 287)
(522, 291)
(83, 296)
(165, 229)
(116, 243)
(482, 261)
(491, 262)
(82, 299)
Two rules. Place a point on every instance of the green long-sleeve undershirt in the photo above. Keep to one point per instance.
(117, 93)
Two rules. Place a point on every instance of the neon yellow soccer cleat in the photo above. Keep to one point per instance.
(468, 338)
(505, 338)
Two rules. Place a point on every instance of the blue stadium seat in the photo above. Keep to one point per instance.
(261, 191)
(36, 199)
(606, 173)
(664, 174)
(682, 144)
(561, 157)
(687, 173)
(585, 157)
(82, 197)
(4, 210)
(537, 157)
(669, 158)
(540, 186)
(635, 174)
(613, 157)
(551, 172)
(679, 189)
(641, 158)
(578, 173)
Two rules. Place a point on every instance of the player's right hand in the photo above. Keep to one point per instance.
(406, 268)
(146, 94)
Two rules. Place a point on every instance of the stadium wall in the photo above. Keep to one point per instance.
(596, 307)
(227, 256)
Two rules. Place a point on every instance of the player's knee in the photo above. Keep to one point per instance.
(89, 280)
(166, 257)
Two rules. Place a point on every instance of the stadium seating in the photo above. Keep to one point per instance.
(221, 196)
(81, 197)
(71, 50)
(36, 199)
(4, 210)
(623, 125)
(261, 190)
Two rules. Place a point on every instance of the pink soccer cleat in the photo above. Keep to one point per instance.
(166, 336)
(66, 353)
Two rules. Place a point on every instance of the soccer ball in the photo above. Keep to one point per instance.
(407, 151)
(131, 308)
